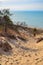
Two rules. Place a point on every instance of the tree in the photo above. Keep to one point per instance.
(5, 18)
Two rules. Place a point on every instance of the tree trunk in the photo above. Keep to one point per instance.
(6, 28)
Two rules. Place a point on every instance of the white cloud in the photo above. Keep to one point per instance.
(30, 1)
(3, 0)
(14, 0)
(25, 6)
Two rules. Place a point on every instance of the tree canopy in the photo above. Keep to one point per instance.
(5, 16)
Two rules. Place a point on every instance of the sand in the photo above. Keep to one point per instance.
(23, 53)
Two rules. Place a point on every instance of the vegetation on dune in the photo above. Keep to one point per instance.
(23, 24)
(6, 22)
(5, 18)
(5, 46)
(34, 31)
(39, 39)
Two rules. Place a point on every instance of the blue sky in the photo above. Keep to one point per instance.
(22, 4)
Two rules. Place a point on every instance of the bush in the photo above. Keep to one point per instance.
(34, 31)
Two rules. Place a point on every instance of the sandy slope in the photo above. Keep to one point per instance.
(23, 53)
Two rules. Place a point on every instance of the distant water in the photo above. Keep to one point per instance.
(32, 18)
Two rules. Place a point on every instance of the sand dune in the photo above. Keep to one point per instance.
(23, 53)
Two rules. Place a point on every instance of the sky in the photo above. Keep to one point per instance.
(21, 4)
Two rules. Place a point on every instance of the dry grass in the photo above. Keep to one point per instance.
(23, 53)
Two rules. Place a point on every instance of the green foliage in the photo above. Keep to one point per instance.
(5, 17)
(5, 12)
